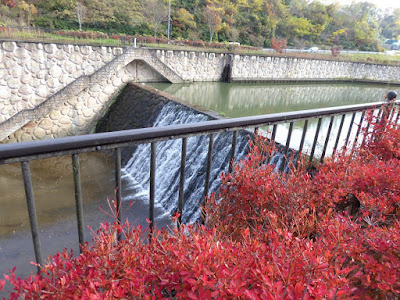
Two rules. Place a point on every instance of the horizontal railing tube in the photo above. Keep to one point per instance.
(16, 152)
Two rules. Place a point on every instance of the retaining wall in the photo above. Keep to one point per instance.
(54, 90)
(32, 72)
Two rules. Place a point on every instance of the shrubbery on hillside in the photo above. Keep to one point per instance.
(333, 235)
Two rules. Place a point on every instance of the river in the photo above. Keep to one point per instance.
(245, 99)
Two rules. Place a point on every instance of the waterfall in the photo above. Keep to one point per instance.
(168, 160)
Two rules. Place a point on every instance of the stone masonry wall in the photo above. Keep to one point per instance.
(31, 72)
(204, 66)
(79, 113)
(262, 68)
(194, 66)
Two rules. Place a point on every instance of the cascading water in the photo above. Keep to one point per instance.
(168, 159)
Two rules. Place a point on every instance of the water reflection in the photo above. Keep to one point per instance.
(55, 204)
(53, 189)
(238, 100)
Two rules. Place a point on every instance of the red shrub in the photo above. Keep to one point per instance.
(278, 45)
(268, 236)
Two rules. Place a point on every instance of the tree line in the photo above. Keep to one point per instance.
(300, 23)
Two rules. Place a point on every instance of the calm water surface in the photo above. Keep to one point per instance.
(239, 100)
(55, 204)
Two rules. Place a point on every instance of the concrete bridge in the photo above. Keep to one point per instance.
(55, 90)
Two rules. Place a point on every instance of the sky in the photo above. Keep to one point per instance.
(380, 3)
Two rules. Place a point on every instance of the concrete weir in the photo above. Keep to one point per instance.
(54, 90)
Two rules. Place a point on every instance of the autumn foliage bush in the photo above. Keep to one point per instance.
(334, 234)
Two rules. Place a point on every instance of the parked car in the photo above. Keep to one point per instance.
(392, 44)
(311, 49)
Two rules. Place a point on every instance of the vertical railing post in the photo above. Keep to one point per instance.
(118, 191)
(391, 114)
(208, 173)
(152, 188)
(315, 139)
(182, 180)
(272, 141)
(273, 135)
(359, 129)
(303, 137)
(232, 156)
(78, 197)
(30, 201)
(339, 133)
(328, 134)
(350, 128)
(289, 137)
(398, 115)
(369, 121)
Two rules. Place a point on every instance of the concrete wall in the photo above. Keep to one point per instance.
(138, 106)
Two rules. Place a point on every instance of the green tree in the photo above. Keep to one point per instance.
(157, 13)
(184, 23)
(100, 13)
(127, 12)
(390, 24)
(26, 11)
(318, 16)
(213, 18)
(298, 27)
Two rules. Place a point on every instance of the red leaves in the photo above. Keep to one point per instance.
(267, 236)
(278, 45)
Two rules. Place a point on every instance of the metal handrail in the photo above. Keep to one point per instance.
(74, 145)
(16, 152)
